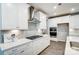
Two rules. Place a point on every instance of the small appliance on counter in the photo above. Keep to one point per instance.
(13, 37)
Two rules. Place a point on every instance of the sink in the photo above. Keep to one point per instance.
(74, 45)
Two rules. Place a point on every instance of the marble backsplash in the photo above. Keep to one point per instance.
(18, 34)
(74, 32)
(7, 34)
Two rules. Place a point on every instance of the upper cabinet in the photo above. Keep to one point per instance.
(9, 16)
(54, 21)
(14, 16)
(74, 21)
(42, 19)
(23, 15)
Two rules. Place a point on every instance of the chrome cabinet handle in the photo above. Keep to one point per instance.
(14, 50)
(22, 51)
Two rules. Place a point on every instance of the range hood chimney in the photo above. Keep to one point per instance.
(33, 16)
(31, 12)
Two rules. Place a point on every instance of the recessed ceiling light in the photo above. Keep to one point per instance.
(72, 9)
(55, 7)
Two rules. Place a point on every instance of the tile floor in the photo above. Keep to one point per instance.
(55, 48)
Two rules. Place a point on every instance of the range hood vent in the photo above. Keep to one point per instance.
(34, 20)
(33, 15)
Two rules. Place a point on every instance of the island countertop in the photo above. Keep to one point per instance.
(68, 49)
(5, 46)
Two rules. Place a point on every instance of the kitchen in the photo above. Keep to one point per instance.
(31, 28)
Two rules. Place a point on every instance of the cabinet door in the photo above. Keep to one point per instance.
(74, 21)
(12, 51)
(42, 21)
(23, 16)
(9, 16)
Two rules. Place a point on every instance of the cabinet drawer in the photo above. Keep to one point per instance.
(21, 49)
(25, 49)
(12, 51)
(16, 50)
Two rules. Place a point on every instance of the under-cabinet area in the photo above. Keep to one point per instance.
(39, 29)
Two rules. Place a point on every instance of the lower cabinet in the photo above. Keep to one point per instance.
(30, 48)
(10, 51)
(18, 50)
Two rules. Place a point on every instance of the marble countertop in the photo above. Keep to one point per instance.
(5, 46)
(68, 49)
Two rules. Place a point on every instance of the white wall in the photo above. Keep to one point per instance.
(42, 20)
(72, 20)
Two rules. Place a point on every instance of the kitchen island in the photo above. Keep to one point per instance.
(69, 50)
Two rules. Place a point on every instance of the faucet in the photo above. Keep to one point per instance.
(12, 37)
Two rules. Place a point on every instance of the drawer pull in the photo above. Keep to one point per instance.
(14, 50)
(22, 51)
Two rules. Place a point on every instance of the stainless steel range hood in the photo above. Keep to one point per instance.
(33, 15)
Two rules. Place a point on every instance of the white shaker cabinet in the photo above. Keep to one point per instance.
(43, 19)
(14, 16)
(9, 13)
(54, 21)
(29, 48)
(23, 15)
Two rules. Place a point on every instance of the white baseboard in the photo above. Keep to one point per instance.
(62, 40)
(55, 39)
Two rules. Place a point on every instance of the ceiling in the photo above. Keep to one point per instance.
(53, 9)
